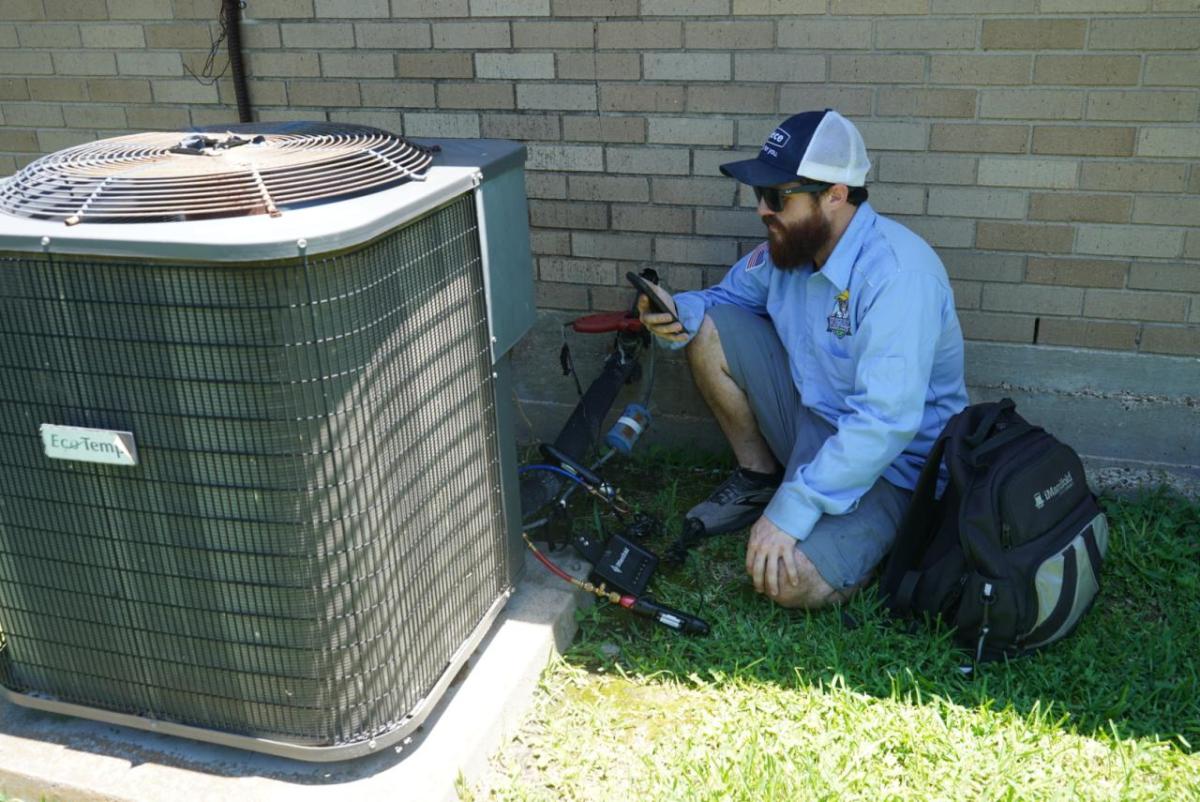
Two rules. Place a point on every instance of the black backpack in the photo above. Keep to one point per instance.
(1010, 554)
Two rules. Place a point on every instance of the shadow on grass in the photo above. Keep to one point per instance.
(1130, 670)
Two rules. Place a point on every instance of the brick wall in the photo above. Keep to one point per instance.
(1047, 148)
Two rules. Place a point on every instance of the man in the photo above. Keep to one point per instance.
(831, 356)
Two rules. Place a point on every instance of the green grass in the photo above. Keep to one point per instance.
(779, 705)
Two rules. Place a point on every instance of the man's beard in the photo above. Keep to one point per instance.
(795, 245)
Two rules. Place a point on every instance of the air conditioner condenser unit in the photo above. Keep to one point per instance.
(257, 463)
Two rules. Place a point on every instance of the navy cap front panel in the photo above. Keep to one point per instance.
(779, 160)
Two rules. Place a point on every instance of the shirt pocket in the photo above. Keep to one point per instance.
(836, 366)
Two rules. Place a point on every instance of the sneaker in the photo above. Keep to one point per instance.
(736, 503)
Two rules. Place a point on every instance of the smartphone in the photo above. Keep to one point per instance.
(643, 286)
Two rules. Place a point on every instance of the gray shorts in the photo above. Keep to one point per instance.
(843, 548)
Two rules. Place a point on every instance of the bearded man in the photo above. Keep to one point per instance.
(831, 356)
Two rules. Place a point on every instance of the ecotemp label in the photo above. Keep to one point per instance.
(89, 445)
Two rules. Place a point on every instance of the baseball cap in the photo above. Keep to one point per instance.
(821, 145)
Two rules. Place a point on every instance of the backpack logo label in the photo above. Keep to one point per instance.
(1061, 486)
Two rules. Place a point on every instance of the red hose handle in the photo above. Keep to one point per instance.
(604, 322)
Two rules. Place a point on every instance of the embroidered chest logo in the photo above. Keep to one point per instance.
(838, 324)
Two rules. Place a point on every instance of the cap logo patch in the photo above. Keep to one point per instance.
(778, 139)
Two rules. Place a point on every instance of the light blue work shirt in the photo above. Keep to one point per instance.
(874, 348)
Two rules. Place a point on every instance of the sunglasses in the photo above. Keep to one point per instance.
(775, 197)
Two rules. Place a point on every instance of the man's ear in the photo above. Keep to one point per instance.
(837, 195)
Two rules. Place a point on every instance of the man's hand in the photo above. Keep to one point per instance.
(770, 549)
(660, 324)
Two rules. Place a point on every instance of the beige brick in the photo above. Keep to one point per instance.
(459, 126)
(1077, 140)
(1029, 237)
(557, 95)
(324, 35)
(874, 69)
(14, 140)
(25, 10)
(849, 100)
(50, 141)
(18, 89)
(736, 223)
(1040, 300)
(33, 115)
(610, 246)
(515, 65)
(608, 188)
(729, 35)
(398, 94)
(358, 64)
(980, 203)
(1132, 240)
(942, 232)
(510, 8)
(1193, 184)
(1070, 208)
(552, 35)
(1087, 70)
(1142, 105)
(183, 91)
(641, 97)
(878, 8)
(324, 93)
(1156, 33)
(1135, 305)
(550, 242)
(262, 93)
(777, 7)
(521, 126)
(1166, 211)
(1172, 70)
(392, 35)
(648, 161)
(897, 199)
(1076, 272)
(926, 34)
(118, 90)
(140, 9)
(1181, 340)
(708, 162)
(255, 36)
(560, 296)
(591, 66)
(926, 169)
(778, 68)
(961, 137)
(604, 129)
(975, 265)
(339, 9)
(691, 8)
(1192, 249)
(77, 10)
(1001, 171)
(695, 250)
(1088, 334)
(422, 9)
(284, 64)
(475, 95)
(435, 65)
(1093, 6)
(1157, 276)
(578, 271)
(471, 35)
(996, 328)
(824, 34)
(739, 99)
(8, 36)
(695, 191)
(95, 115)
(656, 219)
(641, 35)
(926, 102)
(571, 158)
(1175, 5)
(686, 66)
(690, 131)
(1034, 34)
(57, 35)
(383, 119)
(544, 185)
(25, 63)
(147, 63)
(191, 35)
(979, 69)
(1128, 176)
(1178, 143)
(158, 118)
(1037, 104)
(594, 7)
(573, 215)
(881, 135)
(967, 294)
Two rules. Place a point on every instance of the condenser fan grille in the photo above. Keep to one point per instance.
(212, 173)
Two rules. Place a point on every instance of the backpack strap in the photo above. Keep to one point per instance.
(976, 456)
(988, 421)
(899, 579)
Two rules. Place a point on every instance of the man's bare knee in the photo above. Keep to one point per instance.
(811, 593)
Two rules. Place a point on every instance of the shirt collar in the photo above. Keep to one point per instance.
(841, 262)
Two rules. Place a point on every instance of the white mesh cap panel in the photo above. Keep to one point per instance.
(836, 153)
